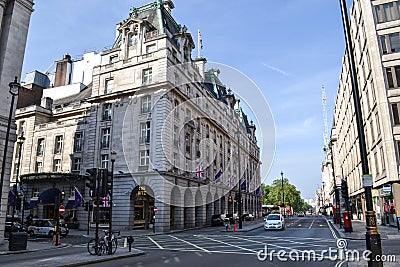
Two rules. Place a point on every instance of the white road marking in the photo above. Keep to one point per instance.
(311, 224)
(152, 240)
(194, 245)
(228, 244)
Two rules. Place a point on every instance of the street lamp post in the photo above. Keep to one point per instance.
(372, 236)
(113, 157)
(14, 89)
(323, 197)
(283, 197)
(21, 140)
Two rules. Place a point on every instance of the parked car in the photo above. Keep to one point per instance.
(248, 217)
(300, 214)
(45, 227)
(17, 228)
(274, 221)
(217, 220)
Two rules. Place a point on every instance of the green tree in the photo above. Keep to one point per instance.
(273, 195)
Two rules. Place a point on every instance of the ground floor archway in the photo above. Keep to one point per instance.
(142, 203)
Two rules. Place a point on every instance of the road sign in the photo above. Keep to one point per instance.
(61, 210)
(155, 210)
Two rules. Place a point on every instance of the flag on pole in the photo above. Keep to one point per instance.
(199, 43)
(251, 189)
(200, 40)
(231, 182)
(218, 175)
(200, 170)
(243, 185)
(78, 198)
(11, 198)
(105, 201)
(257, 191)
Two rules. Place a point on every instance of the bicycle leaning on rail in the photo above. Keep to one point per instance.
(100, 247)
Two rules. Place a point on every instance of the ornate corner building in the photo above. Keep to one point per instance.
(177, 131)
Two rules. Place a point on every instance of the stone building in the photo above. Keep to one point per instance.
(177, 131)
(375, 32)
(14, 17)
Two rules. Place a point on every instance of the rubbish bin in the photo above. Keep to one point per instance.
(17, 241)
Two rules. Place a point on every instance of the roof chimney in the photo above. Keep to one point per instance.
(63, 71)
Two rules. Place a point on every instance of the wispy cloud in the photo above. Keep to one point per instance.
(306, 127)
(285, 73)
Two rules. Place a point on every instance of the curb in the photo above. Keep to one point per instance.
(103, 259)
(340, 233)
(7, 252)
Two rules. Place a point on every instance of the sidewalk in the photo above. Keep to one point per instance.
(359, 230)
(46, 244)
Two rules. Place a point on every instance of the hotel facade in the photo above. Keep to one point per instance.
(178, 133)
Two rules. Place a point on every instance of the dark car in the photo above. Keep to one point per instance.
(17, 227)
(248, 217)
(217, 220)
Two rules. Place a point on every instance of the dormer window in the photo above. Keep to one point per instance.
(133, 39)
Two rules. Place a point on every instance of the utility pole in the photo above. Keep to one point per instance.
(372, 236)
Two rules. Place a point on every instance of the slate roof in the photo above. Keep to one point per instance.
(79, 97)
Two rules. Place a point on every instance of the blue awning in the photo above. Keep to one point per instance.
(32, 204)
(70, 204)
(49, 196)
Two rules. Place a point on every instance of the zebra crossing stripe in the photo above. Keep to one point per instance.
(194, 245)
(152, 240)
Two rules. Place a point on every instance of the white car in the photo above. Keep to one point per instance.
(45, 227)
(274, 221)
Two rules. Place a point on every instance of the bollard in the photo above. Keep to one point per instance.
(130, 241)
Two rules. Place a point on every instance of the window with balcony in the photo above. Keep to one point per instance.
(105, 138)
(145, 132)
(58, 144)
(40, 147)
(146, 104)
(144, 157)
(57, 165)
(104, 161)
(76, 164)
(147, 77)
(107, 111)
(78, 142)
(109, 86)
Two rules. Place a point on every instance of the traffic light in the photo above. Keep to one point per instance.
(106, 182)
(91, 184)
(345, 190)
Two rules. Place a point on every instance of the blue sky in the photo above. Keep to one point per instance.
(289, 48)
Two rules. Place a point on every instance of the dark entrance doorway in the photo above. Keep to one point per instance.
(143, 207)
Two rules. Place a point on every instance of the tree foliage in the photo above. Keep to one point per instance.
(273, 195)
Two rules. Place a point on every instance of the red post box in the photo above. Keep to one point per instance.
(347, 222)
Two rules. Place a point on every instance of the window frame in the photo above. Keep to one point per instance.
(105, 138)
(58, 145)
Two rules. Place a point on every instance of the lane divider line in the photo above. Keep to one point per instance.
(189, 243)
(152, 240)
